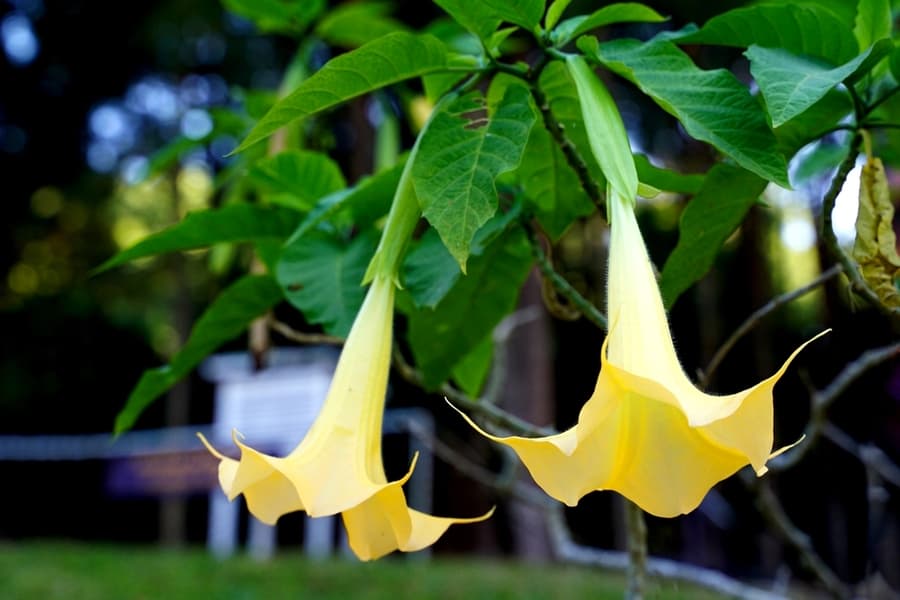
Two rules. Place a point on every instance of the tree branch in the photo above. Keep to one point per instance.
(757, 316)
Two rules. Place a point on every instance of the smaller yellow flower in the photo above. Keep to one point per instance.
(338, 468)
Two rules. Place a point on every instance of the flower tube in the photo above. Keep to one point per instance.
(646, 432)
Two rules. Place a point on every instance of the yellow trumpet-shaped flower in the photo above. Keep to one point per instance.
(338, 468)
(647, 432)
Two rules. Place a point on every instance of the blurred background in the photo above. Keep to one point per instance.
(95, 96)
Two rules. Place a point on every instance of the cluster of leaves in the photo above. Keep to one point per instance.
(506, 150)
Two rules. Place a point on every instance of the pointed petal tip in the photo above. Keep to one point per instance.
(210, 447)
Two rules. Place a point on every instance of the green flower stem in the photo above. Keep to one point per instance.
(637, 550)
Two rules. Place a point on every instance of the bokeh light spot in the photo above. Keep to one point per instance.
(23, 279)
(46, 201)
(19, 42)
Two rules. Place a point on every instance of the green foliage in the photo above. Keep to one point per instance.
(791, 84)
(796, 28)
(712, 105)
(232, 223)
(297, 178)
(623, 12)
(460, 154)
(666, 179)
(440, 338)
(873, 22)
(710, 217)
(276, 16)
(321, 275)
(382, 62)
(357, 23)
(226, 318)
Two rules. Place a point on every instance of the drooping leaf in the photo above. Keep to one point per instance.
(227, 317)
(622, 12)
(483, 17)
(525, 13)
(813, 122)
(875, 248)
(460, 155)
(430, 272)
(356, 23)
(708, 219)
(238, 222)
(298, 178)
(713, 106)
(276, 16)
(807, 29)
(321, 276)
(471, 371)
(790, 83)
(666, 179)
(381, 62)
(440, 338)
(551, 184)
(873, 22)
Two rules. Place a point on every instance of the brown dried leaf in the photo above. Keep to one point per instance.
(876, 244)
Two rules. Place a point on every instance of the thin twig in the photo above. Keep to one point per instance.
(821, 401)
(303, 337)
(772, 510)
(591, 312)
(757, 316)
(871, 456)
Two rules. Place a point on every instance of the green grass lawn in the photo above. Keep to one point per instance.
(75, 571)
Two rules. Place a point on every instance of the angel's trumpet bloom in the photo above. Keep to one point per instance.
(338, 468)
(646, 432)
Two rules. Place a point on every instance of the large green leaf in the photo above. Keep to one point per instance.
(298, 178)
(873, 22)
(484, 16)
(790, 84)
(430, 271)
(227, 317)
(356, 23)
(381, 62)
(471, 372)
(798, 28)
(551, 184)
(622, 12)
(811, 123)
(709, 218)
(321, 275)
(237, 222)
(460, 154)
(712, 106)
(277, 16)
(440, 338)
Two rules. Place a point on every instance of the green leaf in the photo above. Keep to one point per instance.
(800, 29)
(439, 339)
(623, 12)
(894, 63)
(525, 13)
(823, 157)
(873, 22)
(472, 370)
(666, 179)
(227, 317)
(556, 10)
(277, 16)
(484, 16)
(237, 222)
(298, 178)
(354, 24)
(813, 122)
(712, 106)
(790, 84)
(321, 276)
(430, 271)
(551, 184)
(709, 218)
(460, 154)
(381, 62)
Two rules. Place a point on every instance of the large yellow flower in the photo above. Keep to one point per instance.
(647, 432)
(337, 468)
